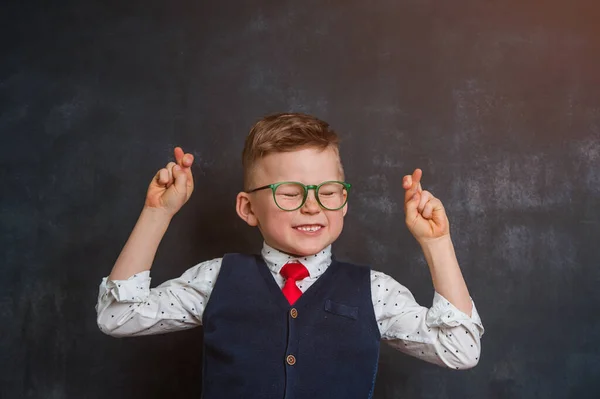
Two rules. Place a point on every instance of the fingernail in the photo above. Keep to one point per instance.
(177, 167)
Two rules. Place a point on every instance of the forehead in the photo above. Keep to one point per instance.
(306, 165)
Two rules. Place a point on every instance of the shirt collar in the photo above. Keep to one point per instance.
(316, 264)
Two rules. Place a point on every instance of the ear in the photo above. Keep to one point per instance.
(243, 207)
(345, 209)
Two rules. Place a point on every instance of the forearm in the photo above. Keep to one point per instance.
(139, 250)
(445, 272)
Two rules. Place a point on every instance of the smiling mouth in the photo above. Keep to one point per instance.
(309, 228)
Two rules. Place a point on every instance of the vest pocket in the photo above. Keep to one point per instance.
(341, 309)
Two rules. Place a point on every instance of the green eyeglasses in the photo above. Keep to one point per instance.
(291, 195)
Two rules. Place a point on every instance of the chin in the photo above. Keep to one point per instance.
(308, 249)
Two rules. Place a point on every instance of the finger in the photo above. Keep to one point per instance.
(412, 185)
(163, 177)
(428, 210)
(406, 182)
(182, 159)
(187, 160)
(181, 179)
(190, 179)
(438, 214)
(426, 196)
(410, 209)
(416, 180)
(178, 153)
(434, 210)
(169, 168)
(160, 176)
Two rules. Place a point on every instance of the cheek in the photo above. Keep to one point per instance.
(336, 222)
(273, 219)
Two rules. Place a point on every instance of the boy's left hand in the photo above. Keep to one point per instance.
(425, 215)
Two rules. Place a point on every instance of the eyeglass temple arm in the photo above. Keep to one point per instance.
(259, 188)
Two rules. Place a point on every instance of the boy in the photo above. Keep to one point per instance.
(293, 322)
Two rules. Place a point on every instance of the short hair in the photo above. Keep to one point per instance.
(285, 132)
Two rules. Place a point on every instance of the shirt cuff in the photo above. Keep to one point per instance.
(444, 314)
(135, 289)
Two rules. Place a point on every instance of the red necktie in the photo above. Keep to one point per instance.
(293, 272)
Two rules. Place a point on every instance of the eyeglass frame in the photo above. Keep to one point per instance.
(306, 187)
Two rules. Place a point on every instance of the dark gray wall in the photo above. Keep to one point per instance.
(497, 102)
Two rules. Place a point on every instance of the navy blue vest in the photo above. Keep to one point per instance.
(325, 346)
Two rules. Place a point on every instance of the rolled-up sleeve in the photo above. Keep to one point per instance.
(441, 335)
(131, 308)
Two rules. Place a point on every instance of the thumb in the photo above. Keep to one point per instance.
(180, 178)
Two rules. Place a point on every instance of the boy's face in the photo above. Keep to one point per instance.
(283, 230)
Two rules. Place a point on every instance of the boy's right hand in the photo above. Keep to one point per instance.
(172, 185)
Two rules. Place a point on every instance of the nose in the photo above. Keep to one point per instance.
(311, 205)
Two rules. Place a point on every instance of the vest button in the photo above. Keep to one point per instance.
(294, 313)
(291, 360)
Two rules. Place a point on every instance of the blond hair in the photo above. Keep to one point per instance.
(285, 132)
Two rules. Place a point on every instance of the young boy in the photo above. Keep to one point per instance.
(292, 322)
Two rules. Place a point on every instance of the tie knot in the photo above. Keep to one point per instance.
(294, 270)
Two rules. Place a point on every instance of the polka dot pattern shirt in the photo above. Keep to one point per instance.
(442, 334)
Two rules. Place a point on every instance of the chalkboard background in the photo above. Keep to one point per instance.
(497, 102)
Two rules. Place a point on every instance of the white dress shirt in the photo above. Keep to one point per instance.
(442, 334)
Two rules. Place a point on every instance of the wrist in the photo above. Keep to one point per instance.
(439, 252)
(156, 215)
(437, 242)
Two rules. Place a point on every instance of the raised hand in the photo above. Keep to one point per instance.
(172, 185)
(425, 215)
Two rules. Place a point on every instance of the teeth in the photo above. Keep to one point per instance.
(309, 228)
